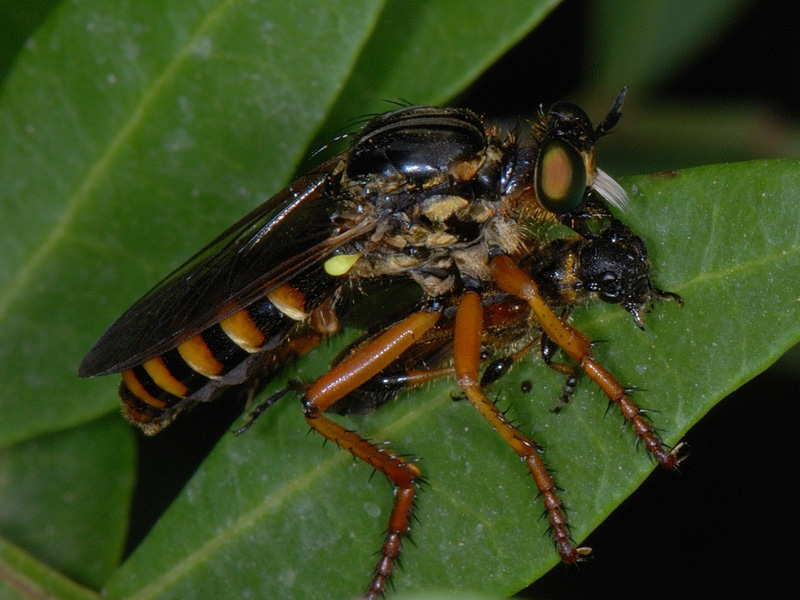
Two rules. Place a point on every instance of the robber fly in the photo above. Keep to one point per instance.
(422, 195)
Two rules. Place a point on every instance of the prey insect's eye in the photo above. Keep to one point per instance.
(560, 177)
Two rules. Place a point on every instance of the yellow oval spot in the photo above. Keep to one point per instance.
(339, 265)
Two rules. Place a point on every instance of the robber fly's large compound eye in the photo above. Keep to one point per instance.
(560, 177)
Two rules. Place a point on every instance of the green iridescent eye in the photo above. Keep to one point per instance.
(560, 177)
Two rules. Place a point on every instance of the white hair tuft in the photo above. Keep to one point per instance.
(608, 188)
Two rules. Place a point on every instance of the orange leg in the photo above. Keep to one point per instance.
(577, 346)
(324, 322)
(354, 371)
(469, 325)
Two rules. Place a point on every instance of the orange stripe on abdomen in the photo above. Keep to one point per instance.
(243, 331)
(135, 387)
(290, 301)
(163, 378)
(142, 408)
(199, 356)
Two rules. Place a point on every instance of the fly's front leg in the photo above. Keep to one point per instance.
(345, 377)
(577, 346)
(469, 325)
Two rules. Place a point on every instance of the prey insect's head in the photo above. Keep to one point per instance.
(614, 266)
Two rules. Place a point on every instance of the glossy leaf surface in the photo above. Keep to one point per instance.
(65, 498)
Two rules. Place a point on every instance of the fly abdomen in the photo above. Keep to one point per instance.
(154, 392)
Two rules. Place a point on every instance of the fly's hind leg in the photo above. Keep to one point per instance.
(468, 330)
(322, 324)
(342, 379)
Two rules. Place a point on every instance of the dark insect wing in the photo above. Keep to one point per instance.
(285, 235)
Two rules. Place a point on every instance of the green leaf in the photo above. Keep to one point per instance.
(133, 132)
(23, 578)
(273, 513)
(65, 498)
(18, 20)
(464, 43)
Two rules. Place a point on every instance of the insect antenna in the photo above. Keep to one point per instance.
(613, 116)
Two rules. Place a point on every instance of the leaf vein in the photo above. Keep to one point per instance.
(99, 167)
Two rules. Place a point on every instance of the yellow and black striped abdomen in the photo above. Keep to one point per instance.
(155, 392)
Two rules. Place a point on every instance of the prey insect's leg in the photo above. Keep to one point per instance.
(548, 349)
(352, 372)
(469, 324)
(577, 346)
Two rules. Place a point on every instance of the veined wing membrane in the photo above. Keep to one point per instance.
(285, 235)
